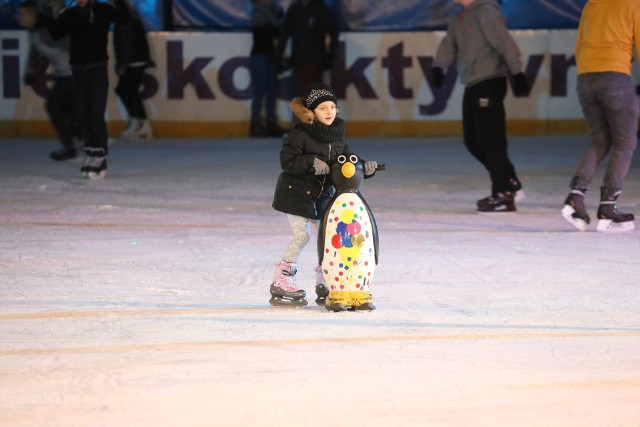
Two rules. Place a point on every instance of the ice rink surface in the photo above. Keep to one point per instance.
(142, 299)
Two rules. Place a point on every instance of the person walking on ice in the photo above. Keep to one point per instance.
(304, 190)
(608, 32)
(478, 40)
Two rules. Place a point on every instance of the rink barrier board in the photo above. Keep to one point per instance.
(182, 129)
(201, 86)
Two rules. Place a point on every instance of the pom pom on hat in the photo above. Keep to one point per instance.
(317, 93)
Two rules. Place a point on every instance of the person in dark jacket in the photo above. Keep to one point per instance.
(131, 48)
(87, 23)
(263, 66)
(308, 23)
(59, 98)
(304, 189)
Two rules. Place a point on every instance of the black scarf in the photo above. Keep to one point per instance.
(324, 133)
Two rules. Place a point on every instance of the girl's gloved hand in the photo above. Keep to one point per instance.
(321, 167)
(370, 167)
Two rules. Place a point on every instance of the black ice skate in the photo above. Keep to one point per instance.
(95, 164)
(321, 288)
(574, 211)
(515, 187)
(64, 154)
(283, 291)
(322, 291)
(499, 202)
(610, 219)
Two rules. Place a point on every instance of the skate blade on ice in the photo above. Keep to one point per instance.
(282, 302)
(579, 223)
(608, 226)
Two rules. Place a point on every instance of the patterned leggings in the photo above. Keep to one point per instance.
(301, 228)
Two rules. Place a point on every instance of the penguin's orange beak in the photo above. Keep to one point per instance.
(348, 170)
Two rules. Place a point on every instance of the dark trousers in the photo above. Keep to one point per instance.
(61, 111)
(90, 90)
(264, 85)
(485, 130)
(128, 90)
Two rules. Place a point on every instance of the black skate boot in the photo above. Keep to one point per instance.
(95, 164)
(283, 291)
(515, 187)
(256, 130)
(64, 154)
(574, 211)
(321, 288)
(273, 129)
(499, 202)
(609, 217)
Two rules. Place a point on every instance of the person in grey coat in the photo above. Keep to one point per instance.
(478, 42)
(59, 97)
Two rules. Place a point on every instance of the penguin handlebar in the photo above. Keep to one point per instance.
(381, 167)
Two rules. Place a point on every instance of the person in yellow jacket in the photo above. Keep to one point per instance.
(608, 33)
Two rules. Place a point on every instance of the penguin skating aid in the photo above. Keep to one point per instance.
(348, 240)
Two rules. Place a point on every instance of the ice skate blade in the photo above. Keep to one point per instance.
(498, 212)
(567, 214)
(608, 226)
(281, 302)
(96, 175)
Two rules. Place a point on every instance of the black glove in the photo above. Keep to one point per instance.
(28, 79)
(437, 77)
(520, 85)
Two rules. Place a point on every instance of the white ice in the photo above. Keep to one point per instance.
(142, 299)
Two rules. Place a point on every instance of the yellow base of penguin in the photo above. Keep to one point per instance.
(341, 301)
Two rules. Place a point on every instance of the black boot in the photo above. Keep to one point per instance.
(64, 154)
(273, 129)
(256, 130)
(609, 217)
(499, 202)
(574, 211)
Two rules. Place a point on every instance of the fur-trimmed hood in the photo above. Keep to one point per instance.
(303, 114)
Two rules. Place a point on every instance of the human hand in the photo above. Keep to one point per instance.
(520, 85)
(437, 77)
(321, 167)
(370, 167)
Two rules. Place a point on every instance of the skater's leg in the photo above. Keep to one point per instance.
(621, 107)
(301, 229)
(283, 289)
(596, 117)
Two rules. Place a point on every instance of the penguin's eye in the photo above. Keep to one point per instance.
(353, 158)
(342, 159)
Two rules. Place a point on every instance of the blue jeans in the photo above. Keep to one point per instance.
(610, 107)
(264, 84)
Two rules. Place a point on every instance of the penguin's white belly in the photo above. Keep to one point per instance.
(349, 253)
